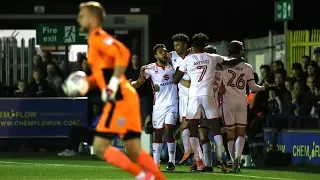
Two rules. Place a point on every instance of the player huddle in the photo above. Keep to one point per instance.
(188, 85)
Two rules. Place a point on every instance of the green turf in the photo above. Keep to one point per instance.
(75, 168)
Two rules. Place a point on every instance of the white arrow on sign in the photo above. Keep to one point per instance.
(289, 10)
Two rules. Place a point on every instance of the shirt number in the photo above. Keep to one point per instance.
(204, 70)
(215, 82)
(240, 83)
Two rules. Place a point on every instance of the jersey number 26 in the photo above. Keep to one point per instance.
(240, 82)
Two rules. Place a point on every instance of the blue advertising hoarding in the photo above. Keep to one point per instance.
(304, 145)
(40, 117)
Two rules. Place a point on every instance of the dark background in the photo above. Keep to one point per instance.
(219, 19)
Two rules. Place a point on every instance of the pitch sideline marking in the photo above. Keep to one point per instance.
(107, 167)
(258, 177)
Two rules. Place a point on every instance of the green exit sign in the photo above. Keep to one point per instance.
(283, 10)
(59, 34)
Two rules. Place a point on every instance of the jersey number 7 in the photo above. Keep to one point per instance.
(204, 70)
(240, 83)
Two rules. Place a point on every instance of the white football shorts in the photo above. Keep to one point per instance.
(234, 114)
(183, 104)
(196, 104)
(164, 115)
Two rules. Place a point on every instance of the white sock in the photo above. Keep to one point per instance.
(141, 175)
(157, 147)
(186, 140)
(194, 141)
(172, 152)
(206, 153)
(219, 144)
(200, 154)
(231, 149)
(239, 147)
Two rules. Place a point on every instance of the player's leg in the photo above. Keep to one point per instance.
(228, 110)
(193, 117)
(107, 129)
(225, 143)
(183, 103)
(132, 143)
(134, 150)
(170, 122)
(206, 147)
(158, 122)
(241, 123)
(212, 114)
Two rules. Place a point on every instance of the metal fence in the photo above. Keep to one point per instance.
(302, 42)
(16, 62)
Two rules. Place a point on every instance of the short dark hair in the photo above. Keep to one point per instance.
(210, 49)
(95, 8)
(180, 37)
(266, 67)
(158, 46)
(313, 64)
(200, 40)
(306, 57)
(235, 47)
(278, 63)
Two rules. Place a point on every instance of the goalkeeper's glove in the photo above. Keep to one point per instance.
(109, 94)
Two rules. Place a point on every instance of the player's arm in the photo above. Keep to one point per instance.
(179, 72)
(251, 83)
(144, 75)
(185, 83)
(121, 56)
(254, 87)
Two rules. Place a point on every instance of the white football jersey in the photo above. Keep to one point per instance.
(163, 77)
(201, 68)
(235, 80)
(176, 62)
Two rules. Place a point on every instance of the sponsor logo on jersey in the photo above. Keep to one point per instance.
(166, 77)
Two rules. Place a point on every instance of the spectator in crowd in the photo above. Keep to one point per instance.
(53, 78)
(38, 64)
(302, 101)
(315, 112)
(289, 84)
(22, 89)
(47, 57)
(297, 73)
(312, 68)
(39, 86)
(316, 53)
(266, 75)
(283, 94)
(305, 62)
(310, 84)
(278, 66)
(133, 72)
(274, 107)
